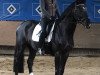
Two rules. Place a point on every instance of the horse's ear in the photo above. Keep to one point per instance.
(80, 1)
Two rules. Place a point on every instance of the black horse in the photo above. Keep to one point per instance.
(62, 39)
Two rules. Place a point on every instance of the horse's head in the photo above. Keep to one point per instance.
(80, 13)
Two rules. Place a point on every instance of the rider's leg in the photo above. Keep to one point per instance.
(51, 22)
(44, 23)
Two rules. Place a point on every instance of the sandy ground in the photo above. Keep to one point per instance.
(44, 65)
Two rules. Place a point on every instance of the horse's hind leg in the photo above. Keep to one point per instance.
(32, 54)
(60, 61)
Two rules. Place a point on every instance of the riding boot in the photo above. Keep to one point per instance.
(41, 40)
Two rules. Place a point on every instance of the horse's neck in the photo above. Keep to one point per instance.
(67, 26)
(64, 32)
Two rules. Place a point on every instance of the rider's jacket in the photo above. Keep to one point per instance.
(48, 8)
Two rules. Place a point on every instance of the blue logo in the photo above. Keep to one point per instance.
(36, 12)
(97, 11)
(11, 9)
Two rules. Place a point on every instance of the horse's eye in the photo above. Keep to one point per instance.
(84, 8)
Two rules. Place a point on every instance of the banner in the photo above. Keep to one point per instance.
(19, 10)
(30, 9)
(93, 8)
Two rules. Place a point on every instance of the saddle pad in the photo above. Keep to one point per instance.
(36, 33)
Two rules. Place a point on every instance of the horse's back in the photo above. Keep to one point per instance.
(23, 26)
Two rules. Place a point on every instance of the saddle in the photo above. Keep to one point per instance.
(37, 32)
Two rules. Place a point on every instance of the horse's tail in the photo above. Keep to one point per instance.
(20, 46)
(19, 52)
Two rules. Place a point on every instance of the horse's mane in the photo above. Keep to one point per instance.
(67, 11)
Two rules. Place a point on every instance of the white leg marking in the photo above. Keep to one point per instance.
(40, 52)
(31, 73)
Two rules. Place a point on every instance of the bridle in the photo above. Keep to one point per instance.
(82, 19)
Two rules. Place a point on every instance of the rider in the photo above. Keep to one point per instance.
(49, 14)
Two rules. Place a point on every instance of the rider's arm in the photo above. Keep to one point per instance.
(56, 9)
(43, 9)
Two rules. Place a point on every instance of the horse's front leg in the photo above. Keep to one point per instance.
(32, 54)
(60, 61)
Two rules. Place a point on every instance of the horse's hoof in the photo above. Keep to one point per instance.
(16, 73)
(31, 73)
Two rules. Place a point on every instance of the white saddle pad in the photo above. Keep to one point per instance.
(37, 31)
